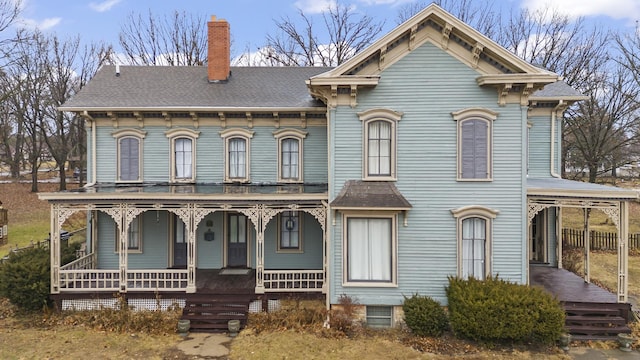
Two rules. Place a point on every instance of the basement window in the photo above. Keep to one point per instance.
(379, 316)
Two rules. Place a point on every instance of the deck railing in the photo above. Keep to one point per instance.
(84, 263)
(293, 280)
(83, 280)
(152, 280)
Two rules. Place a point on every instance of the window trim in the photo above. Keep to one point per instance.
(380, 114)
(227, 136)
(474, 113)
(393, 215)
(119, 135)
(138, 250)
(282, 135)
(173, 135)
(291, 250)
(475, 211)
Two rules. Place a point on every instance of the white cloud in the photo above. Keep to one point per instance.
(41, 25)
(616, 9)
(103, 6)
(314, 6)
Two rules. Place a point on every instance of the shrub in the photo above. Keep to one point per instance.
(24, 279)
(497, 310)
(424, 316)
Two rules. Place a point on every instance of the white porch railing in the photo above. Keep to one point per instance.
(293, 280)
(152, 280)
(84, 263)
(83, 280)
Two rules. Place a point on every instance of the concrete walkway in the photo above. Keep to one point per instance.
(582, 353)
(206, 345)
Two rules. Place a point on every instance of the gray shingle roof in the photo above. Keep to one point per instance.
(370, 194)
(147, 87)
(558, 89)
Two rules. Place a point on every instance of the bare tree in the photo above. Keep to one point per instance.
(607, 124)
(347, 32)
(177, 40)
(629, 46)
(481, 15)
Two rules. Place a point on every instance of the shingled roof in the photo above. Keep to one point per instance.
(370, 194)
(158, 87)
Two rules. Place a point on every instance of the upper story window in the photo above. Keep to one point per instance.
(475, 143)
(183, 154)
(129, 149)
(290, 154)
(475, 234)
(379, 143)
(237, 154)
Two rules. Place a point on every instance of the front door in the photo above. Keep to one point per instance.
(179, 244)
(236, 240)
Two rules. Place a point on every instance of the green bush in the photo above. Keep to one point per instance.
(24, 279)
(424, 316)
(498, 310)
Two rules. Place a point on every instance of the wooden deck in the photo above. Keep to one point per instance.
(567, 286)
(592, 313)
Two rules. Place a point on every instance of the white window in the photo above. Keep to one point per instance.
(290, 234)
(475, 231)
(183, 154)
(129, 148)
(290, 154)
(370, 257)
(134, 236)
(475, 142)
(237, 154)
(379, 143)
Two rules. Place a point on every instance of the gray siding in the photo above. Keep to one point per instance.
(309, 259)
(427, 85)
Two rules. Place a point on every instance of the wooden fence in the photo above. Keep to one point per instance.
(597, 240)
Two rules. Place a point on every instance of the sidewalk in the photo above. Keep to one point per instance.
(583, 353)
(206, 345)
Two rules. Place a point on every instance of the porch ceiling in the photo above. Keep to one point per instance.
(562, 188)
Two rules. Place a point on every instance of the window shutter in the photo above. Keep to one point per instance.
(481, 161)
(474, 162)
(467, 156)
(129, 159)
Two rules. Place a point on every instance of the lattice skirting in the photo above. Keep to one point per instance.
(150, 304)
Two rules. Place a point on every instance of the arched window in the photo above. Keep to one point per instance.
(475, 232)
(475, 129)
(290, 154)
(237, 154)
(129, 148)
(183, 154)
(379, 142)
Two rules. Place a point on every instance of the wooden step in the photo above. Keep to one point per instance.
(591, 319)
(211, 313)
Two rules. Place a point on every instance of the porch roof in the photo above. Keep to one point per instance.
(370, 195)
(555, 187)
(153, 192)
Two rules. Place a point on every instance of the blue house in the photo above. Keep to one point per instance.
(433, 153)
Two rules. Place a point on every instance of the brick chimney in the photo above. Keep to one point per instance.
(218, 55)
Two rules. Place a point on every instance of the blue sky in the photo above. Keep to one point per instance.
(251, 20)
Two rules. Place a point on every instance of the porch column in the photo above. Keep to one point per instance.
(587, 243)
(123, 247)
(623, 252)
(559, 236)
(54, 249)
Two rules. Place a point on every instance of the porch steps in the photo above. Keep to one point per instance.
(596, 321)
(211, 313)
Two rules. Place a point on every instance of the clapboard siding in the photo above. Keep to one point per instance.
(540, 147)
(427, 86)
(107, 255)
(310, 258)
(210, 155)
